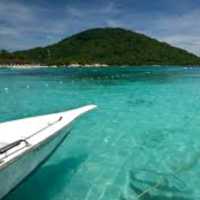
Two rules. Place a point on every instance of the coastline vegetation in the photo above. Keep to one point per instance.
(111, 46)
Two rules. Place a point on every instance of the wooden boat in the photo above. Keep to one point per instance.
(26, 143)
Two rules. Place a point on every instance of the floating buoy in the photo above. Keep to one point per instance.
(6, 89)
(106, 140)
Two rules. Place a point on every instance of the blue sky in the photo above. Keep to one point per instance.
(29, 23)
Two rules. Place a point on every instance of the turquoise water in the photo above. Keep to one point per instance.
(145, 134)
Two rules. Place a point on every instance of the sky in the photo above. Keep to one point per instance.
(26, 24)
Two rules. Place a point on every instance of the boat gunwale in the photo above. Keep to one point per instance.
(27, 149)
(42, 161)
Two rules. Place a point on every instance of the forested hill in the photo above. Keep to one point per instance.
(112, 46)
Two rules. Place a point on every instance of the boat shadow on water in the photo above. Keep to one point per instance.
(48, 181)
(160, 187)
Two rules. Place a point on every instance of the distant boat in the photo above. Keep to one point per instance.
(26, 143)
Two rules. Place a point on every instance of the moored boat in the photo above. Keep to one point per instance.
(26, 143)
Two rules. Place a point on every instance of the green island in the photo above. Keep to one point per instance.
(105, 46)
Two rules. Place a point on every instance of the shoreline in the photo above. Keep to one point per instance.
(23, 66)
(37, 66)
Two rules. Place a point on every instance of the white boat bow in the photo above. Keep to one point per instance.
(26, 143)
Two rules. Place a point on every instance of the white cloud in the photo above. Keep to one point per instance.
(24, 26)
(74, 12)
(15, 11)
(187, 42)
(180, 30)
(113, 23)
(110, 8)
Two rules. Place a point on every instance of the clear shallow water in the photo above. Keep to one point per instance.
(145, 134)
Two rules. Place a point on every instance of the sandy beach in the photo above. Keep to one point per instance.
(28, 66)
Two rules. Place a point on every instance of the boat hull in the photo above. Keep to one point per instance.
(17, 171)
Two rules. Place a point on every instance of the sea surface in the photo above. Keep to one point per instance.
(143, 141)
